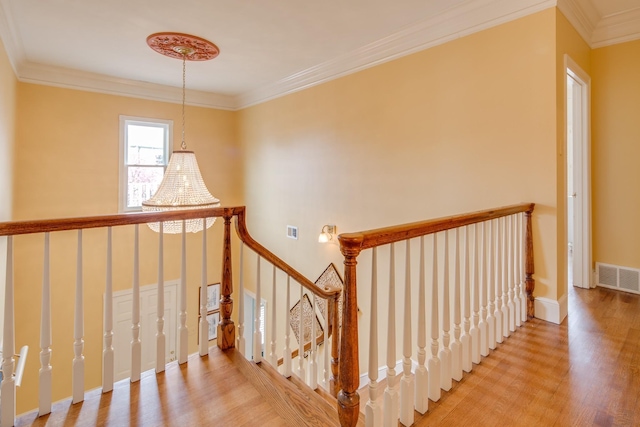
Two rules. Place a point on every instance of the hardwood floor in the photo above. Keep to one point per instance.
(223, 389)
(585, 372)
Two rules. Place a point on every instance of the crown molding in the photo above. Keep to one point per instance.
(618, 28)
(468, 18)
(10, 38)
(582, 15)
(93, 82)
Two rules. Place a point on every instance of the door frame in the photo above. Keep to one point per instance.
(583, 204)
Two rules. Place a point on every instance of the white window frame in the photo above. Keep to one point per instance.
(124, 167)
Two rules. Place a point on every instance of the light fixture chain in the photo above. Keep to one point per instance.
(184, 80)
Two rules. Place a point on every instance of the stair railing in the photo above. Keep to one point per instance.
(226, 331)
(491, 290)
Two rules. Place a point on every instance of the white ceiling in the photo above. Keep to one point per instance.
(268, 48)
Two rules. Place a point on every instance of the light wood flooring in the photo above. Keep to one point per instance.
(585, 372)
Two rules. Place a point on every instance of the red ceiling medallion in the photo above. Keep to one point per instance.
(178, 45)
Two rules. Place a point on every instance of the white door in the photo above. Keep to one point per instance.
(578, 176)
(122, 305)
(249, 319)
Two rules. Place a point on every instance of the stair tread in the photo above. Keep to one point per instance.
(297, 406)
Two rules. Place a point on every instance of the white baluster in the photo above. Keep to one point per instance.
(391, 399)
(456, 345)
(445, 352)
(422, 375)
(107, 351)
(516, 274)
(510, 274)
(183, 331)
(287, 335)
(241, 341)
(301, 372)
(373, 410)
(8, 385)
(257, 335)
(273, 356)
(483, 326)
(505, 281)
(475, 332)
(465, 339)
(521, 261)
(44, 391)
(136, 345)
(491, 287)
(77, 375)
(313, 363)
(203, 325)
(498, 253)
(160, 336)
(406, 383)
(434, 362)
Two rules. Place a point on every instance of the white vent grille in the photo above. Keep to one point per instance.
(292, 232)
(616, 277)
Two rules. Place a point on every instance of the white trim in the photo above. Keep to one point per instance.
(551, 310)
(382, 372)
(122, 165)
(618, 28)
(453, 23)
(29, 72)
(467, 18)
(573, 69)
(582, 15)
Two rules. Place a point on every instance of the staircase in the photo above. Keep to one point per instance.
(223, 389)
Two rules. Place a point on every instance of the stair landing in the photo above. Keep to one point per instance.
(221, 389)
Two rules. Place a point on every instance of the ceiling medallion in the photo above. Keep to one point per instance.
(179, 46)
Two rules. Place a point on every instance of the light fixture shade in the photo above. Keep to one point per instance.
(182, 187)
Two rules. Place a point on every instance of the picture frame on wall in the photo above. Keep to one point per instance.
(213, 297)
(213, 319)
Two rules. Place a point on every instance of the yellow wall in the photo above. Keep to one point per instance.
(568, 42)
(615, 154)
(66, 164)
(460, 127)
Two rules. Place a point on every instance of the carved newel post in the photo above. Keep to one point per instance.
(349, 371)
(226, 328)
(529, 267)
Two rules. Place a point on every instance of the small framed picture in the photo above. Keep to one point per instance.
(213, 297)
(213, 319)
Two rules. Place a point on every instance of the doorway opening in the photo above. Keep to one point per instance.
(578, 175)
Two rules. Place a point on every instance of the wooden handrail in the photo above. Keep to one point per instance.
(351, 244)
(243, 233)
(13, 228)
(382, 236)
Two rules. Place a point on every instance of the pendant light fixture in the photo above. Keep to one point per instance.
(182, 186)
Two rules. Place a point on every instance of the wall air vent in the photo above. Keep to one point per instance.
(292, 232)
(616, 277)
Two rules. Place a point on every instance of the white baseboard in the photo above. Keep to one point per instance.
(382, 372)
(552, 310)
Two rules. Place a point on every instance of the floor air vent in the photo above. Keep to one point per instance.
(616, 277)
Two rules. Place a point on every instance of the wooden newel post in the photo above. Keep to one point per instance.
(529, 267)
(349, 371)
(334, 384)
(226, 328)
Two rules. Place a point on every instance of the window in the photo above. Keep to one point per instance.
(144, 155)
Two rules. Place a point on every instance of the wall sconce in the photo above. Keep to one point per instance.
(327, 233)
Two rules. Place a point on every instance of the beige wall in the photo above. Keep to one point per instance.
(8, 85)
(460, 127)
(568, 42)
(66, 164)
(615, 153)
